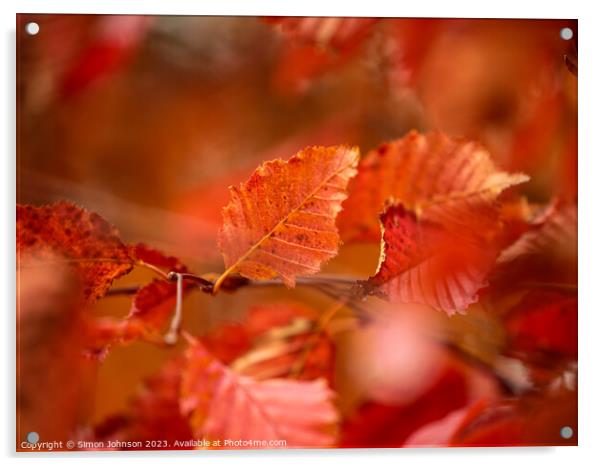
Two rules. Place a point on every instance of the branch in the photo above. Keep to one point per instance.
(330, 286)
(325, 283)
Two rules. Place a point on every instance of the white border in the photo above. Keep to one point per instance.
(590, 234)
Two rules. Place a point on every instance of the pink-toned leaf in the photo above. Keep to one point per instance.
(223, 405)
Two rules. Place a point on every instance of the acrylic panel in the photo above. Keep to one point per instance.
(289, 232)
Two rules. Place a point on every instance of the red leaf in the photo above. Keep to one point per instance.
(85, 240)
(531, 420)
(545, 254)
(293, 348)
(379, 425)
(272, 341)
(423, 263)
(228, 341)
(225, 406)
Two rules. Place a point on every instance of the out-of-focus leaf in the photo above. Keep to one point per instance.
(530, 420)
(223, 405)
(559, 231)
(383, 425)
(272, 340)
(116, 38)
(316, 46)
(547, 254)
(291, 347)
(54, 379)
(281, 222)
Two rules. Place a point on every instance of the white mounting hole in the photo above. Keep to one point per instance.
(566, 432)
(566, 33)
(32, 28)
(33, 437)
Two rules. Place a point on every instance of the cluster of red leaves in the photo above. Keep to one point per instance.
(199, 396)
(447, 229)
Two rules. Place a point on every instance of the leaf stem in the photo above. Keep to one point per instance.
(220, 280)
(171, 337)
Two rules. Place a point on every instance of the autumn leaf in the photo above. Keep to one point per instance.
(547, 254)
(286, 342)
(524, 421)
(223, 405)
(272, 340)
(84, 239)
(444, 180)
(423, 263)
(281, 222)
